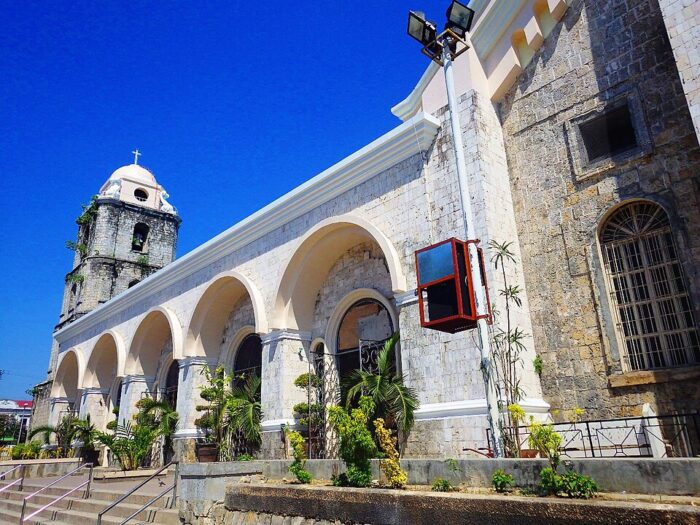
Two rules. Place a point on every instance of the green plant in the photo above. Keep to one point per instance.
(538, 364)
(142, 260)
(297, 467)
(501, 481)
(393, 401)
(357, 446)
(550, 481)
(508, 345)
(232, 412)
(576, 485)
(309, 415)
(85, 432)
(130, 443)
(89, 212)
(441, 485)
(77, 247)
(75, 278)
(161, 416)
(395, 475)
(547, 442)
(64, 433)
(244, 457)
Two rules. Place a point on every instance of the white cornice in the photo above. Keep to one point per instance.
(413, 136)
(473, 407)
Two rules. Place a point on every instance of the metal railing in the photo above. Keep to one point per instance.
(150, 502)
(675, 435)
(19, 480)
(86, 484)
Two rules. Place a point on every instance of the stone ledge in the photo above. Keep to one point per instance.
(650, 377)
(399, 507)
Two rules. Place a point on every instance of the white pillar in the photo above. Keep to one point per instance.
(190, 380)
(285, 355)
(134, 387)
(94, 402)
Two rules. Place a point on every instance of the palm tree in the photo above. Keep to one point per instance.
(85, 432)
(163, 417)
(394, 401)
(64, 432)
(244, 411)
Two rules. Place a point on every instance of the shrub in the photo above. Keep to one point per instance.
(501, 481)
(547, 442)
(550, 481)
(357, 446)
(576, 485)
(297, 467)
(391, 467)
(244, 457)
(17, 451)
(441, 485)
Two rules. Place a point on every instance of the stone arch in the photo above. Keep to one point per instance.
(105, 362)
(313, 258)
(228, 357)
(69, 375)
(209, 318)
(155, 329)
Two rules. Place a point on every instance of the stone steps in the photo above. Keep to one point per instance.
(75, 510)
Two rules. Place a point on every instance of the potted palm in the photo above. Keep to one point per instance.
(86, 434)
(216, 393)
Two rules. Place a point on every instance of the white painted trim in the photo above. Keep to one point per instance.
(286, 334)
(412, 137)
(275, 425)
(406, 298)
(473, 407)
(188, 433)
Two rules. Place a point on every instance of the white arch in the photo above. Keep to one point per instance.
(139, 336)
(58, 389)
(228, 357)
(90, 379)
(227, 287)
(314, 255)
(331, 339)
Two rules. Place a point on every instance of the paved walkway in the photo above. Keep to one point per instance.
(153, 487)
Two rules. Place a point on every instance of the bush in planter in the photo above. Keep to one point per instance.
(576, 485)
(501, 481)
(546, 441)
(64, 433)
(441, 485)
(297, 467)
(130, 443)
(357, 446)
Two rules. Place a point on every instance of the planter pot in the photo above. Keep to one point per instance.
(207, 453)
(528, 453)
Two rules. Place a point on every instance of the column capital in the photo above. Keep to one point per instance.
(60, 400)
(137, 378)
(95, 390)
(187, 362)
(405, 298)
(286, 334)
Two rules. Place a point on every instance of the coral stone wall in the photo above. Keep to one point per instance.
(600, 53)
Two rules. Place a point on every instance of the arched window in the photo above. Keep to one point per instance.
(362, 333)
(140, 237)
(653, 312)
(171, 384)
(248, 356)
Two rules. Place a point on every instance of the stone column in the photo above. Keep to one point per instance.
(94, 403)
(60, 406)
(190, 380)
(134, 387)
(285, 356)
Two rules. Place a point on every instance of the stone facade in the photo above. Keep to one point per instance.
(292, 271)
(601, 52)
(682, 19)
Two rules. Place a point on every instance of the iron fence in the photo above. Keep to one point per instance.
(674, 435)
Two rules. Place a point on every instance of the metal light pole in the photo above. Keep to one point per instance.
(468, 217)
(442, 49)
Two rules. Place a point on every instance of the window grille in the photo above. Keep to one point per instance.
(654, 314)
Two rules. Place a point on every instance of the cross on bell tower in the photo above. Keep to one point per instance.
(137, 154)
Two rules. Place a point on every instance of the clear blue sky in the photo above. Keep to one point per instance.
(232, 104)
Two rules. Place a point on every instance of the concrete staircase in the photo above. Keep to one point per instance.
(74, 510)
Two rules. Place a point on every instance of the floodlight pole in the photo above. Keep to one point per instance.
(474, 263)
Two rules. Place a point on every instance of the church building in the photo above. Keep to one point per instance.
(580, 123)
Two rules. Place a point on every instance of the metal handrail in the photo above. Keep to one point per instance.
(137, 487)
(22, 519)
(19, 480)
